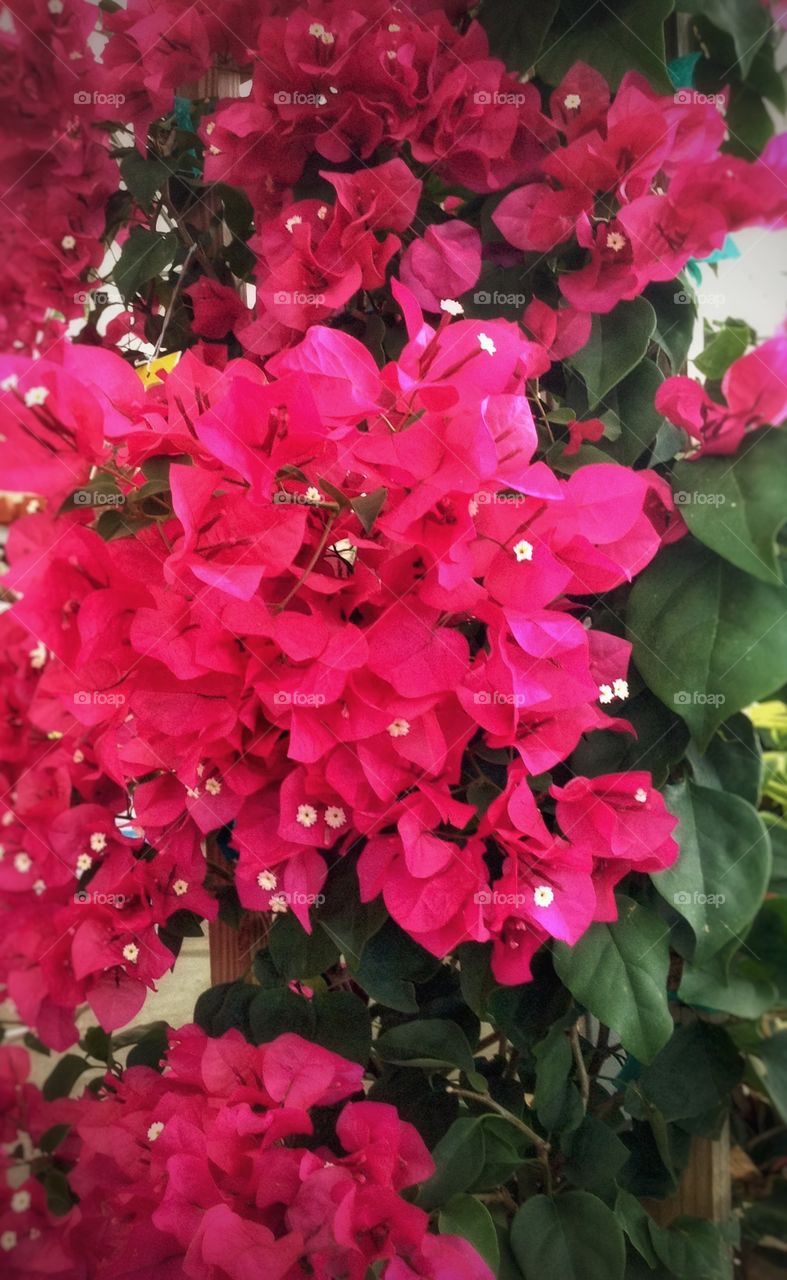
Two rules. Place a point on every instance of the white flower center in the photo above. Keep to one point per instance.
(306, 815)
(523, 550)
(278, 904)
(23, 862)
(486, 344)
(615, 241)
(180, 887)
(213, 786)
(267, 880)
(155, 1129)
(68, 242)
(543, 896)
(131, 953)
(335, 816)
(641, 795)
(21, 1201)
(572, 101)
(399, 728)
(36, 395)
(98, 842)
(452, 307)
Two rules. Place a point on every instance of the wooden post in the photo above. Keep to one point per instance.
(232, 950)
(705, 1189)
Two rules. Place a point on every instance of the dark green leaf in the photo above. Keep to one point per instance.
(466, 1217)
(720, 878)
(64, 1076)
(736, 505)
(593, 1155)
(517, 33)
(143, 177)
(429, 1042)
(747, 21)
(770, 1062)
(619, 972)
(628, 36)
(676, 317)
(724, 346)
(391, 964)
(695, 1072)
(343, 1025)
(618, 342)
(733, 761)
(573, 1237)
(630, 415)
(708, 639)
(273, 1012)
(144, 256)
(298, 954)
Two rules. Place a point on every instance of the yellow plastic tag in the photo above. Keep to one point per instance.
(149, 372)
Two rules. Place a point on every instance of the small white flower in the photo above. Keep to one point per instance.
(572, 101)
(131, 953)
(210, 127)
(313, 495)
(620, 689)
(55, 6)
(399, 728)
(605, 693)
(213, 786)
(641, 795)
(328, 37)
(98, 842)
(84, 862)
(293, 221)
(192, 793)
(23, 862)
(7, 818)
(452, 307)
(155, 1129)
(615, 241)
(486, 344)
(306, 815)
(332, 88)
(78, 756)
(39, 887)
(38, 656)
(279, 905)
(32, 506)
(335, 817)
(36, 395)
(21, 1201)
(543, 896)
(8, 1241)
(267, 880)
(316, 29)
(68, 242)
(322, 212)
(9, 383)
(523, 550)
(180, 887)
(390, 53)
(393, 27)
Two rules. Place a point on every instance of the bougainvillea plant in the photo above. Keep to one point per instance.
(384, 585)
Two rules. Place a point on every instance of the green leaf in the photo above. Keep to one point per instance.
(51, 1139)
(720, 878)
(64, 1076)
(143, 177)
(466, 1217)
(573, 1237)
(725, 346)
(593, 1155)
(144, 256)
(391, 964)
(708, 639)
(619, 973)
(97, 1044)
(617, 343)
(628, 36)
(348, 921)
(273, 1012)
(631, 414)
(150, 1049)
(368, 507)
(225, 1006)
(747, 21)
(695, 1072)
(770, 1064)
(432, 1043)
(59, 1197)
(636, 1223)
(736, 505)
(675, 305)
(691, 1247)
(733, 760)
(722, 984)
(298, 954)
(556, 1100)
(458, 1157)
(342, 1024)
(517, 33)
